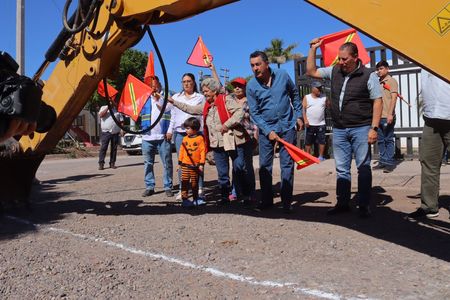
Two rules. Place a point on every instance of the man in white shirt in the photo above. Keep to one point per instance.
(314, 105)
(110, 134)
(156, 140)
(435, 139)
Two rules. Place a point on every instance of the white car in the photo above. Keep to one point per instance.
(132, 143)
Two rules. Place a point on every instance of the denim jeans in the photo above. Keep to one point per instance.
(386, 142)
(178, 139)
(266, 153)
(243, 172)
(346, 143)
(222, 159)
(149, 149)
(105, 139)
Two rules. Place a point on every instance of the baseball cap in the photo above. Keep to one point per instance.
(239, 81)
(316, 84)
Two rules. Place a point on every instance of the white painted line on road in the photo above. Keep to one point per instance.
(210, 270)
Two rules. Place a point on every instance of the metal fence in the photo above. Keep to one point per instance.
(409, 122)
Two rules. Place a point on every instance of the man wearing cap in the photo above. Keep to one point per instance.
(314, 105)
(356, 106)
(276, 108)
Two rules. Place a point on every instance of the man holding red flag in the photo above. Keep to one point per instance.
(356, 106)
(276, 109)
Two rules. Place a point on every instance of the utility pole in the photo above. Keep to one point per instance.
(200, 79)
(20, 36)
(225, 76)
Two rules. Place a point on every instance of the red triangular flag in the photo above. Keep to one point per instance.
(112, 92)
(150, 70)
(388, 87)
(300, 157)
(332, 42)
(134, 95)
(200, 55)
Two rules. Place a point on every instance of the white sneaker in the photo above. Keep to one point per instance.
(178, 196)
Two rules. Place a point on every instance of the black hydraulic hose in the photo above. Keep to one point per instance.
(166, 91)
(79, 14)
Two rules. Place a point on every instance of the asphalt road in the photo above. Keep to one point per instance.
(90, 234)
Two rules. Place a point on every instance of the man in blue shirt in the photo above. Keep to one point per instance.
(276, 109)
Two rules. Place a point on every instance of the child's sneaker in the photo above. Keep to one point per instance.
(232, 197)
(187, 203)
(321, 158)
(199, 202)
(178, 196)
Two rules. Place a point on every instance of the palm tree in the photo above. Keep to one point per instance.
(278, 55)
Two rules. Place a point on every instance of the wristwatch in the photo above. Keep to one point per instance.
(374, 128)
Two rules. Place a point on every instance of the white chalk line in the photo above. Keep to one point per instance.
(210, 270)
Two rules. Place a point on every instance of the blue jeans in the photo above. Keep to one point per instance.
(243, 172)
(386, 142)
(222, 159)
(266, 152)
(178, 139)
(348, 142)
(149, 149)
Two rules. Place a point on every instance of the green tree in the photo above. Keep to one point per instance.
(279, 55)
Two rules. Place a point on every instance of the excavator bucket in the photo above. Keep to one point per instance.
(419, 30)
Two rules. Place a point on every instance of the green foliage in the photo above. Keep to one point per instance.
(279, 55)
(132, 62)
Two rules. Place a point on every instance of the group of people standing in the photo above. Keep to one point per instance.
(362, 107)
(268, 107)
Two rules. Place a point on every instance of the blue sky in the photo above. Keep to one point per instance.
(230, 32)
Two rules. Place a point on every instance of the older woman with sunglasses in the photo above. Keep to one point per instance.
(222, 116)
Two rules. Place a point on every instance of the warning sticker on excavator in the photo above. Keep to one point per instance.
(441, 22)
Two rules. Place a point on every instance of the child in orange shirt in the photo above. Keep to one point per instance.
(191, 162)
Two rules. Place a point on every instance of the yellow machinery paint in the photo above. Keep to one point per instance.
(417, 29)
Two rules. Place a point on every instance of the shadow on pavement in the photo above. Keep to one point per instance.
(431, 237)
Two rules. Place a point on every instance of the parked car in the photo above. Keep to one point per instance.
(132, 143)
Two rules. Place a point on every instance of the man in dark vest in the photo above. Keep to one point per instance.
(356, 104)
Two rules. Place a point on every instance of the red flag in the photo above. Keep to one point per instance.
(200, 55)
(300, 157)
(332, 42)
(134, 95)
(388, 87)
(150, 70)
(112, 92)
